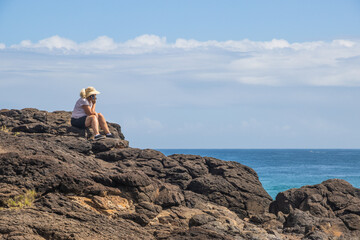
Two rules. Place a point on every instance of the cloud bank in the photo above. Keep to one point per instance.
(146, 43)
(275, 63)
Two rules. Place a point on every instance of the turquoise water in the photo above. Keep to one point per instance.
(282, 169)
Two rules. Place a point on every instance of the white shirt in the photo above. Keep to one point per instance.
(78, 111)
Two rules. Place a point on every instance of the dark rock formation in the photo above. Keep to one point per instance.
(30, 120)
(332, 208)
(106, 190)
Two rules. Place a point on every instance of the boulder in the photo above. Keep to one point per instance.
(228, 184)
(331, 207)
(107, 144)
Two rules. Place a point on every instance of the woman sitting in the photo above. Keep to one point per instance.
(84, 114)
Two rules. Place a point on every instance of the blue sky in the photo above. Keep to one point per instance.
(192, 74)
(258, 20)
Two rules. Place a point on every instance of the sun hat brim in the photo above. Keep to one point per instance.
(92, 93)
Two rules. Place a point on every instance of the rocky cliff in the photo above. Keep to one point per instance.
(57, 183)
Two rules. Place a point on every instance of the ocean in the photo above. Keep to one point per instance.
(283, 169)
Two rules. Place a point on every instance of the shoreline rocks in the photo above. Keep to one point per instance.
(107, 190)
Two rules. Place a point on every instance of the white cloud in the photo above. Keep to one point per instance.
(100, 44)
(57, 42)
(147, 40)
(248, 45)
(344, 43)
(187, 44)
(153, 42)
(54, 42)
(24, 44)
(276, 62)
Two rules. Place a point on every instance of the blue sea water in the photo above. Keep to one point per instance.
(282, 169)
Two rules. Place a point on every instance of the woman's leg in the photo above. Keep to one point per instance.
(93, 122)
(103, 123)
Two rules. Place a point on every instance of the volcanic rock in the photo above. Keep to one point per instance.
(332, 207)
(104, 189)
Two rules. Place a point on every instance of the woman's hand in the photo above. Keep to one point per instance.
(90, 111)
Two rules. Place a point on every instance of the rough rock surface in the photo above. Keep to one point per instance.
(106, 190)
(332, 208)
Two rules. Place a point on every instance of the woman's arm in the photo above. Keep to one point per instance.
(89, 111)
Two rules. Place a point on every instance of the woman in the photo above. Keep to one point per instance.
(84, 114)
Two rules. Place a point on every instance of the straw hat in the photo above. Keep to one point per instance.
(85, 93)
(91, 91)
